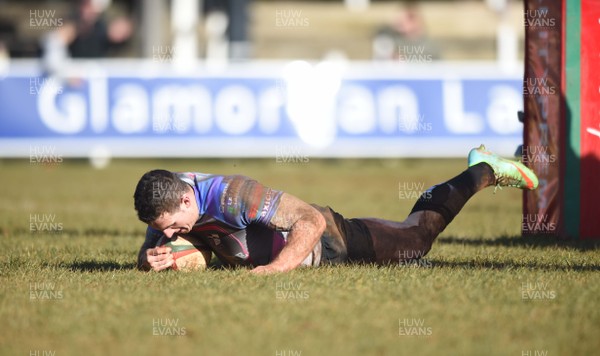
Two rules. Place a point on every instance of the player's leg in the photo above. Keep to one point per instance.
(344, 240)
(437, 207)
(381, 241)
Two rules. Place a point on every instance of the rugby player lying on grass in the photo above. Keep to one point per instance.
(247, 224)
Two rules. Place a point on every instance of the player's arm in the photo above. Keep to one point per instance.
(246, 201)
(151, 257)
(304, 224)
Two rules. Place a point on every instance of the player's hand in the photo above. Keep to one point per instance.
(268, 269)
(159, 258)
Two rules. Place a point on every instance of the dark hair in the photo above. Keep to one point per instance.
(157, 192)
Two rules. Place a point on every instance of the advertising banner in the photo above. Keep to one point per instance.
(297, 108)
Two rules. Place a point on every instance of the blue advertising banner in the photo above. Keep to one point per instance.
(294, 108)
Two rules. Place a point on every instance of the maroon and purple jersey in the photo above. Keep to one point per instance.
(234, 219)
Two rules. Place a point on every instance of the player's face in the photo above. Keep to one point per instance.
(181, 221)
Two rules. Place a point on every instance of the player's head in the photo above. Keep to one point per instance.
(165, 202)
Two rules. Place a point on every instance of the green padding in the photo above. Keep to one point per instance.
(571, 182)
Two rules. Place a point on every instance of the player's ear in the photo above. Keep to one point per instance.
(186, 200)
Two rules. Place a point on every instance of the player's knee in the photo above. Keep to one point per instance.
(418, 247)
(423, 245)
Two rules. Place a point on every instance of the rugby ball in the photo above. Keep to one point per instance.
(189, 253)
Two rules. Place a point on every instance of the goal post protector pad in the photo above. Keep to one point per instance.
(561, 137)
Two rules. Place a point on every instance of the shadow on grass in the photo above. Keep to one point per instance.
(93, 232)
(105, 266)
(496, 265)
(98, 266)
(523, 241)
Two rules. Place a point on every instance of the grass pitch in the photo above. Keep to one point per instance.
(69, 286)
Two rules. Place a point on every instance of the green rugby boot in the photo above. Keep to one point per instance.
(508, 173)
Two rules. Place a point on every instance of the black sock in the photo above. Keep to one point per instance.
(448, 198)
